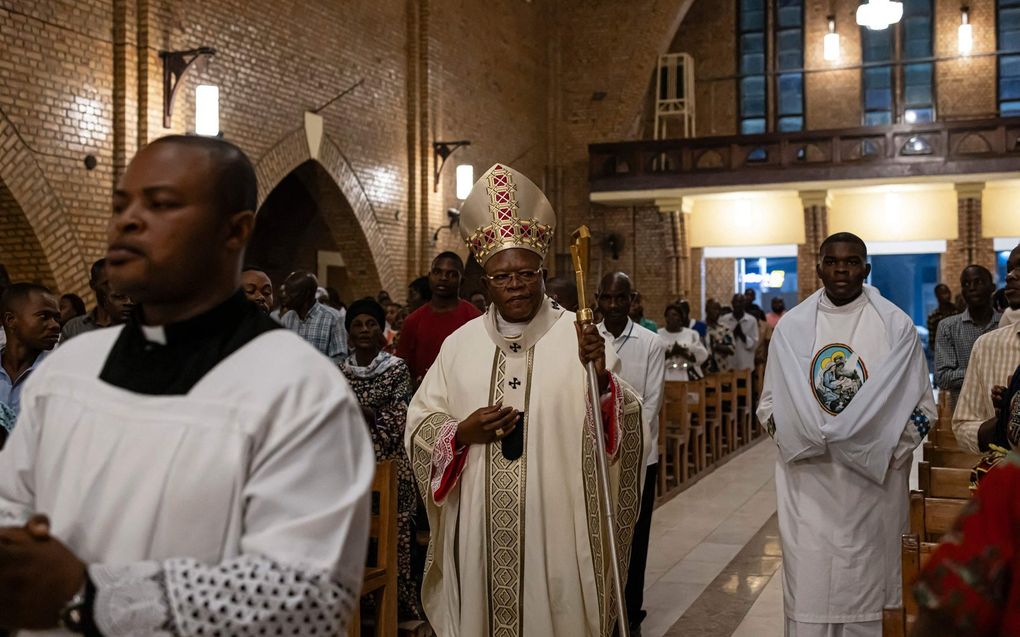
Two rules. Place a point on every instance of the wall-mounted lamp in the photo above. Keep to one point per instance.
(877, 15)
(175, 65)
(465, 180)
(965, 35)
(207, 110)
(830, 44)
(440, 151)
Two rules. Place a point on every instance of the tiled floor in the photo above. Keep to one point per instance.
(699, 532)
(693, 584)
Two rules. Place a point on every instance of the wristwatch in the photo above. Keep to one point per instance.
(72, 616)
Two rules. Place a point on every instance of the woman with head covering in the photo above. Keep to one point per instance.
(382, 384)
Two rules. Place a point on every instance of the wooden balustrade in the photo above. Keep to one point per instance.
(900, 151)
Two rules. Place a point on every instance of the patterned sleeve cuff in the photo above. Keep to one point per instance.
(448, 461)
(247, 595)
(130, 600)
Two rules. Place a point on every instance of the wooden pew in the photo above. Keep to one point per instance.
(943, 438)
(931, 518)
(699, 431)
(894, 622)
(743, 407)
(380, 579)
(955, 458)
(675, 425)
(943, 482)
(719, 415)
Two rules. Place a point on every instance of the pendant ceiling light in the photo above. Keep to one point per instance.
(879, 14)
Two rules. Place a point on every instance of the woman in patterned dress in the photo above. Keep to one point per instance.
(382, 383)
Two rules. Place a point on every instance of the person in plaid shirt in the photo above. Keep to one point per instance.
(311, 320)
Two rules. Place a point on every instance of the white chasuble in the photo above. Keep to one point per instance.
(515, 547)
(846, 411)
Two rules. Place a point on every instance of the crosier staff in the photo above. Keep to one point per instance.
(579, 256)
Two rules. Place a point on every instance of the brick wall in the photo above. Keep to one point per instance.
(529, 83)
(25, 260)
(719, 280)
(84, 77)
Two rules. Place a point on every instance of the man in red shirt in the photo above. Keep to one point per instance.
(427, 327)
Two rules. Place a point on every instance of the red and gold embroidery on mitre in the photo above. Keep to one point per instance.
(491, 218)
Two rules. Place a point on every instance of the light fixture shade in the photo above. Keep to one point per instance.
(830, 47)
(879, 14)
(966, 39)
(465, 180)
(207, 110)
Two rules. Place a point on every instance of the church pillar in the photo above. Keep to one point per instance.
(685, 262)
(969, 247)
(816, 227)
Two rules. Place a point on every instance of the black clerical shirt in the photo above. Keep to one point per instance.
(192, 348)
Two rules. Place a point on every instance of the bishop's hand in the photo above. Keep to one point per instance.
(486, 425)
(591, 348)
(38, 576)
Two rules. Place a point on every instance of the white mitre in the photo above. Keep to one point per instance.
(506, 210)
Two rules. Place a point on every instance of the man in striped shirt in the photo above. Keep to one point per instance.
(992, 361)
(957, 333)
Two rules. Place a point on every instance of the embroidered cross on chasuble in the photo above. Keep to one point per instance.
(517, 545)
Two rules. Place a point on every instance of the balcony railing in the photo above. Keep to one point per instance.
(890, 152)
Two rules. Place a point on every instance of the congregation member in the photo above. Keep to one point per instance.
(718, 339)
(778, 309)
(258, 288)
(685, 353)
(302, 313)
(643, 366)
(563, 290)
(426, 328)
(992, 360)
(199, 470)
(31, 326)
(112, 308)
(944, 308)
(698, 326)
(957, 333)
(479, 301)
(71, 306)
(382, 384)
(637, 314)
(394, 322)
(751, 307)
(418, 294)
(847, 399)
(743, 328)
(503, 448)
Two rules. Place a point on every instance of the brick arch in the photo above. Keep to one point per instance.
(44, 212)
(296, 149)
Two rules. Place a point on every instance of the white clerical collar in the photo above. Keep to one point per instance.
(510, 330)
(154, 333)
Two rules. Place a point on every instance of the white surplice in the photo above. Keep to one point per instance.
(240, 506)
(515, 547)
(841, 482)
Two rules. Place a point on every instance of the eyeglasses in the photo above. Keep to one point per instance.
(502, 280)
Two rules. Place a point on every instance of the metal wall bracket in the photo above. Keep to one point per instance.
(175, 65)
(440, 151)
